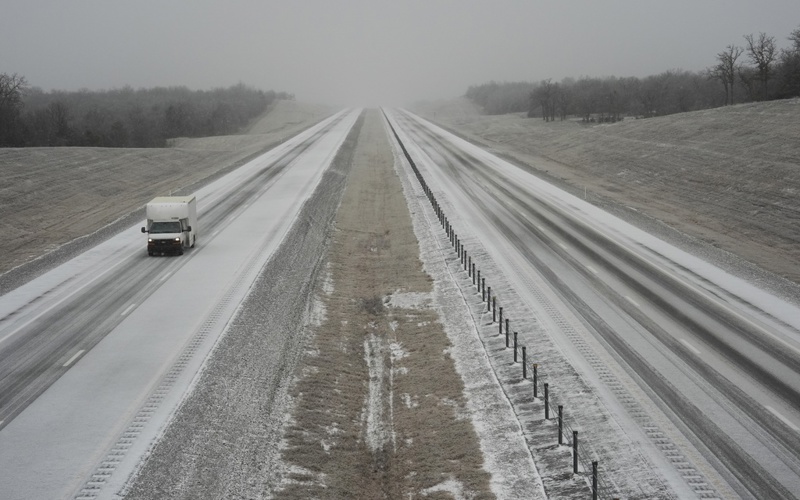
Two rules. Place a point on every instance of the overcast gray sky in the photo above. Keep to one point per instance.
(367, 52)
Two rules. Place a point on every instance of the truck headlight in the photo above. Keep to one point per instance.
(177, 240)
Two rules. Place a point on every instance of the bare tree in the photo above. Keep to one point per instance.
(60, 118)
(545, 96)
(563, 101)
(762, 52)
(12, 90)
(790, 66)
(726, 70)
(716, 73)
(749, 80)
(545, 92)
(586, 96)
(653, 93)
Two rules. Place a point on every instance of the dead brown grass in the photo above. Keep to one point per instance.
(416, 435)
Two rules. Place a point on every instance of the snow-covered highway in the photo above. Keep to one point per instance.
(315, 343)
(107, 344)
(715, 355)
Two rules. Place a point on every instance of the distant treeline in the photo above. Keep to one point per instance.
(771, 74)
(123, 117)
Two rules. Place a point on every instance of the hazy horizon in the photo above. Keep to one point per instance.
(363, 52)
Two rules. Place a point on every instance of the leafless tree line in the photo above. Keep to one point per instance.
(123, 117)
(772, 74)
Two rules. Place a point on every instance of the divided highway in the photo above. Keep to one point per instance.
(107, 344)
(719, 357)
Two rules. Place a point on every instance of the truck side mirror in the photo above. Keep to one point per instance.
(144, 229)
(188, 229)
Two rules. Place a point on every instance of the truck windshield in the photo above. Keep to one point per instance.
(165, 227)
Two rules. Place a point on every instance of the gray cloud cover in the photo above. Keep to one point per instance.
(362, 52)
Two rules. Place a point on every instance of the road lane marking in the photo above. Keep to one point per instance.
(129, 309)
(690, 346)
(593, 270)
(167, 275)
(563, 246)
(74, 357)
(633, 302)
(783, 419)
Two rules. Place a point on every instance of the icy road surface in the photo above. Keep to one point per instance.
(96, 354)
(699, 366)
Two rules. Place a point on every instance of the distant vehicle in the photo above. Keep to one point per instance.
(171, 224)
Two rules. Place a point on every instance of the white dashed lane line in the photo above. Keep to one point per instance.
(74, 357)
(128, 309)
(690, 346)
(633, 302)
(783, 419)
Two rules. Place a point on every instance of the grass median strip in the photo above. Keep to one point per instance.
(379, 407)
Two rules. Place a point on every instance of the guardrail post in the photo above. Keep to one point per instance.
(535, 386)
(515, 343)
(594, 480)
(494, 309)
(574, 452)
(560, 424)
(489, 301)
(501, 324)
(524, 365)
(507, 329)
(546, 402)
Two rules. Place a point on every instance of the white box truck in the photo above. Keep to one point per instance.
(171, 224)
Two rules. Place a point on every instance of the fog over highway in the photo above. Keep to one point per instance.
(698, 367)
